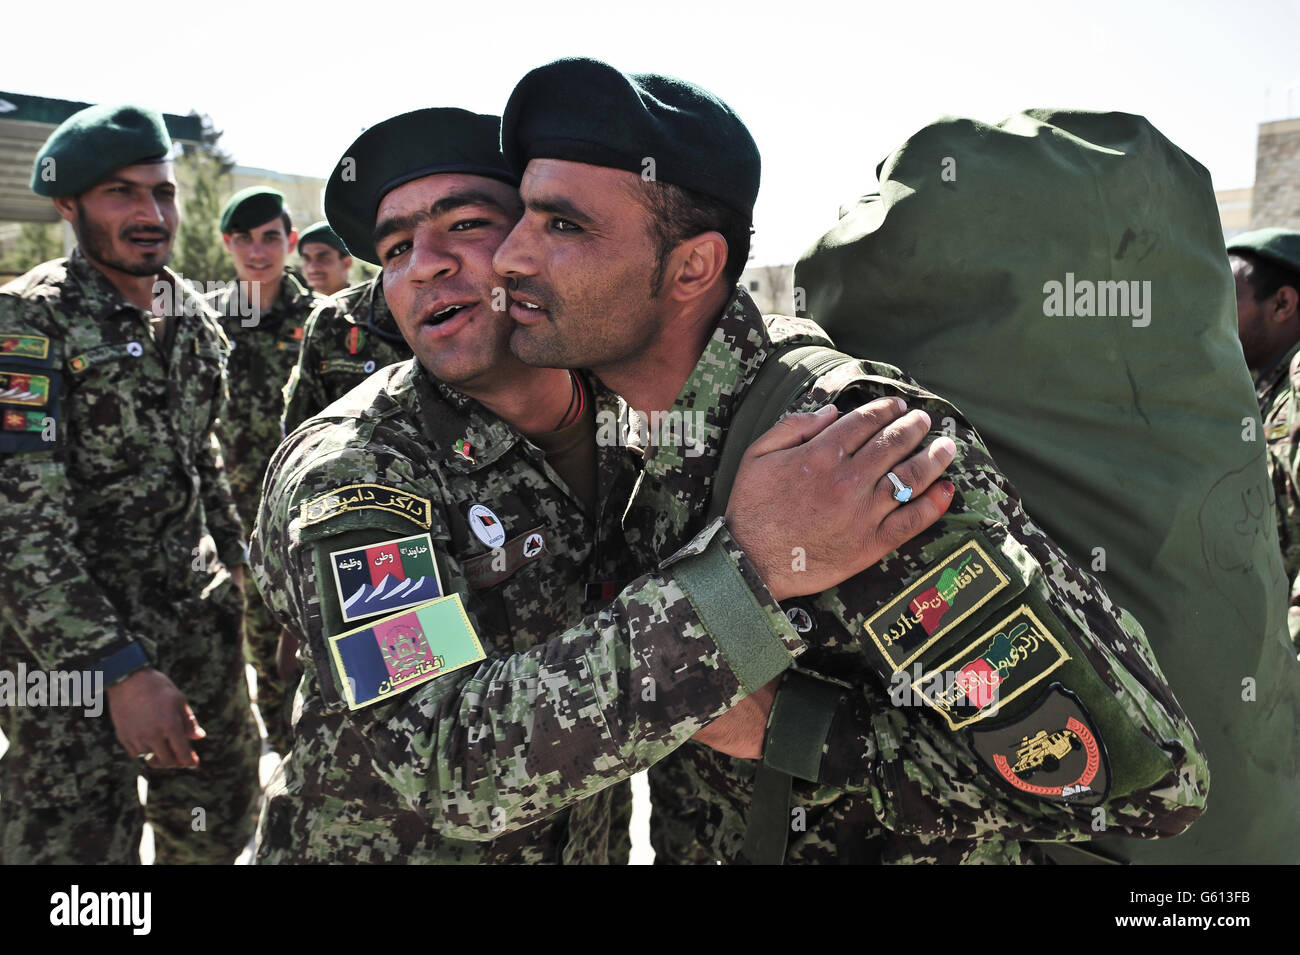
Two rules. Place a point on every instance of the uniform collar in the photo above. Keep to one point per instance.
(294, 299)
(679, 476)
(100, 297)
(1267, 383)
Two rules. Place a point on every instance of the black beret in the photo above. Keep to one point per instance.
(583, 110)
(249, 208)
(93, 142)
(321, 232)
(1279, 245)
(403, 148)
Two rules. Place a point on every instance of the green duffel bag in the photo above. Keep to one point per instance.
(1061, 278)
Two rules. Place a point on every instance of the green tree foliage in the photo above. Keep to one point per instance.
(203, 172)
(37, 242)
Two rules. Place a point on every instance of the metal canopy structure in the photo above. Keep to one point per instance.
(25, 123)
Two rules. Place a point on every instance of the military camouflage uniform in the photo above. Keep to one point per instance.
(1279, 406)
(896, 785)
(345, 343)
(263, 356)
(479, 765)
(118, 537)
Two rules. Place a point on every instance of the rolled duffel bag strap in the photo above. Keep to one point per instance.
(805, 705)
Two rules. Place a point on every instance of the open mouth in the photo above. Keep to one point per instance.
(524, 311)
(445, 314)
(147, 241)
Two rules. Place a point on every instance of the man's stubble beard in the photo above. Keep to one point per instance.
(97, 244)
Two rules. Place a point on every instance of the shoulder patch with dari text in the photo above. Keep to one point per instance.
(24, 346)
(996, 667)
(355, 497)
(936, 602)
(1052, 752)
(402, 651)
(385, 577)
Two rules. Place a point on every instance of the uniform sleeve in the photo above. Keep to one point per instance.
(304, 392)
(48, 597)
(503, 744)
(220, 511)
(964, 664)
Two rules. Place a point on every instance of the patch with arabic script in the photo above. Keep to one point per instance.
(1053, 752)
(935, 603)
(357, 497)
(385, 577)
(1009, 658)
(400, 652)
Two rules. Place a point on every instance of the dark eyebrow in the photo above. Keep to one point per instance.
(448, 203)
(558, 207)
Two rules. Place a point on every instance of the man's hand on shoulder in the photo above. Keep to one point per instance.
(150, 716)
(812, 504)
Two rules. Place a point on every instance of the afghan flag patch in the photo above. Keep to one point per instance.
(382, 578)
(934, 603)
(23, 420)
(24, 346)
(402, 651)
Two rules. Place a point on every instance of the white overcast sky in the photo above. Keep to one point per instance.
(826, 88)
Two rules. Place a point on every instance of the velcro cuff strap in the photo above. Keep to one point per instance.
(744, 633)
(801, 719)
(123, 663)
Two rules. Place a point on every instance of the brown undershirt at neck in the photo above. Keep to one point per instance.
(572, 452)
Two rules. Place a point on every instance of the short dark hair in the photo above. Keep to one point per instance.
(1266, 276)
(678, 213)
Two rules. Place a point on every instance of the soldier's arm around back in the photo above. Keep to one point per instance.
(507, 741)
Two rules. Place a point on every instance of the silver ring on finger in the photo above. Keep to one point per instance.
(902, 492)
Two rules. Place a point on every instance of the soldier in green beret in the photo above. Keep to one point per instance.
(1266, 267)
(264, 314)
(626, 261)
(124, 550)
(325, 259)
(465, 472)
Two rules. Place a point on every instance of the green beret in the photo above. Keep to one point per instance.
(583, 110)
(1280, 245)
(321, 232)
(401, 149)
(93, 142)
(249, 208)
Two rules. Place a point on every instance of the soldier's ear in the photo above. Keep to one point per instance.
(1287, 302)
(293, 239)
(66, 206)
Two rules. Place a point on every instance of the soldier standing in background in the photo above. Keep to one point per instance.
(263, 315)
(345, 342)
(124, 549)
(325, 259)
(1266, 267)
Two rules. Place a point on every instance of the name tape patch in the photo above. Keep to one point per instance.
(996, 667)
(356, 497)
(401, 652)
(488, 570)
(935, 603)
(385, 577)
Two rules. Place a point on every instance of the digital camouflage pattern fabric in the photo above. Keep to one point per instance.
(119, 533)
(897, 782)
(345, 342)
(1277, 391)
(511, 760)
(264, 351)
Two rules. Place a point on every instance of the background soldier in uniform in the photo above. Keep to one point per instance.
(345, 342)
(325, 259)
(125, 548)
(263, 315)
(1266, 266)
(509, 492)
(625, 262)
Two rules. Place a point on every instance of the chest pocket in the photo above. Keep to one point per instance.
(108, 386)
